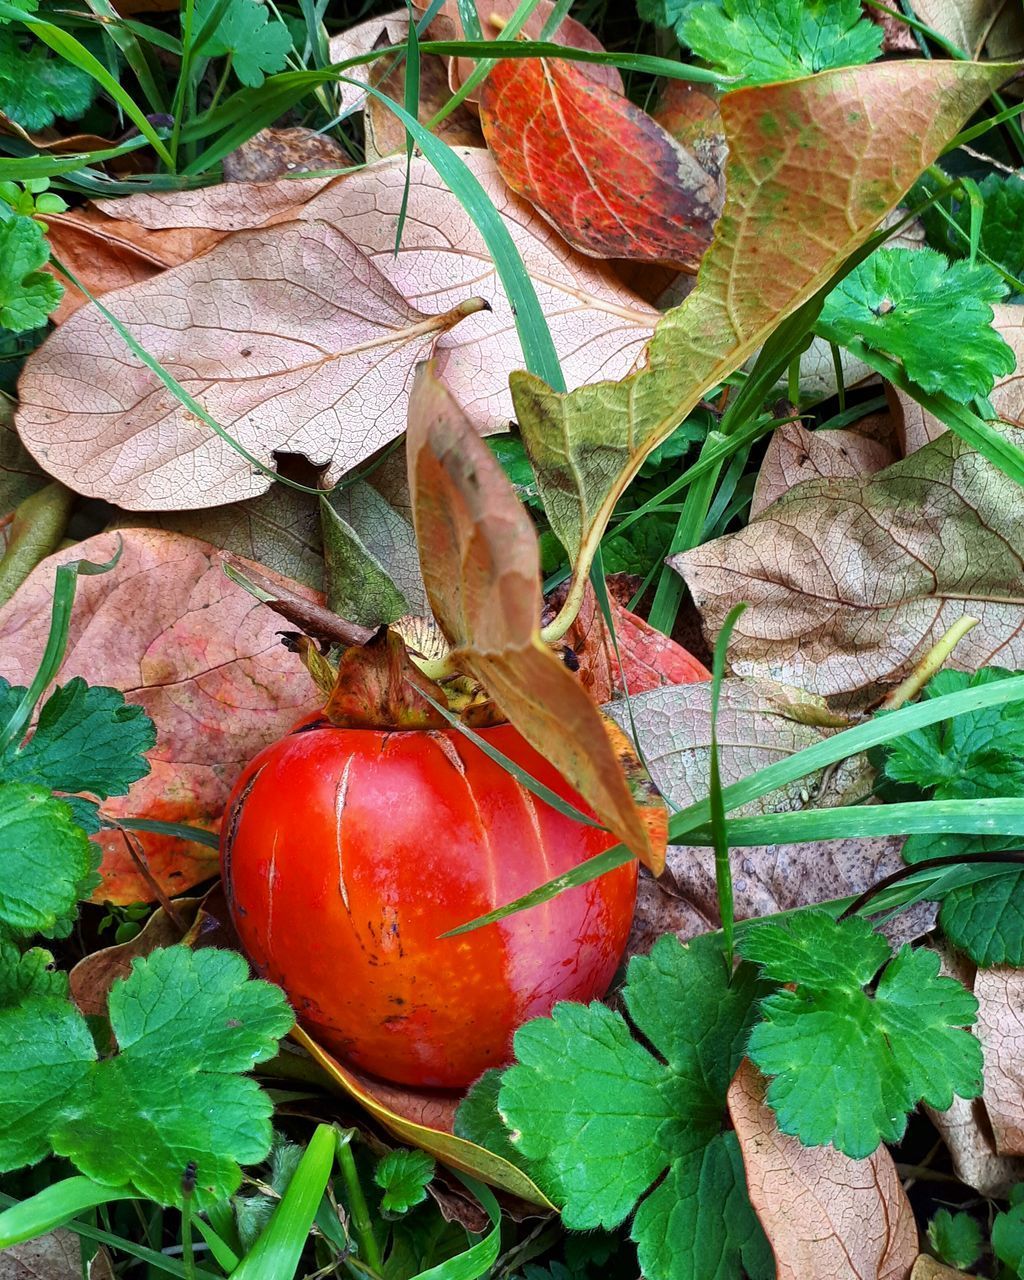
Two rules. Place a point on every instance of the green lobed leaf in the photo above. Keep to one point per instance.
(478, 1120)
(1008, 1237)
(404, 1176)
(847, 1066)
(49, 861)
(37, 86)
(1002, 218)
(956, 1238)
(933, 315)
(256, 43)
(88, 738)
(27, 974)
(27, 295)
(601, 1119)
(779, 40)
(185, 1023)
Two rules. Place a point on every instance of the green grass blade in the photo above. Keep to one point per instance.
(719, 835)
(178, 830)
(55, 1205)
(478, 1260)
(22, 167)
(502, 49)
(278, 1249)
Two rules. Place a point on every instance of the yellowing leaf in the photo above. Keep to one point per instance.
(481, 568)
(792, 217)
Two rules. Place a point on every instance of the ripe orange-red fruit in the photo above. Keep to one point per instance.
(347, 852)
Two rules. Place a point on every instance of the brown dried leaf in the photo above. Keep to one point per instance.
(289, 336)
(169, 630)
(757, 726)
(275, 153)
(229, 206)
(795, 454)
(916, 427)
(54, 1256)
(967, 1132)
(599, 327)
(364, 37)
(926, 1268)
(976, 26)
(690, 113)
(826, 1217)
(1000, 993)
(386, 134)
(850, 583)
(480, 561)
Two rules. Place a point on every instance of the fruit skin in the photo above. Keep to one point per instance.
(347, 852)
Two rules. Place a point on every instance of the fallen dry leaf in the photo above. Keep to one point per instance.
(826, 1217)
(917, 427)
(57, 1255)
(967, 1132)
(19, 475)
(611, 180)
(364, 37)
(385, 133)
(481, 568)
(311, 351)
(650, 658)
(110, 253)
(169, 630)
(228, 206)
(795, 454)
(757, 726)
(1000, 993)
(850, 583)
(276, 153)
(976, 26)
(926, 1268)
(690, 113)
(898, 37)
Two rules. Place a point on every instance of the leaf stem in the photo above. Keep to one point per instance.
(357, 1207)
(570, 609)
(929, 664)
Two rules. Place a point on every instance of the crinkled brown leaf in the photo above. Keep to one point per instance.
(926, 1268)
(276, 153)
(826, 1217)
(1000, 993)
(364, 37)
(795, 454)
(203, 658)
(289, 337)
(850, 583)
(758, 725)
(611, 180)
(480, 561)
(792, 217)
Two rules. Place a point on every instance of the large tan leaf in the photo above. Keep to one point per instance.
(850, 583)
(481, 568)
(826, 1217)
(792, 216)
(918, 426)
(290, 338)
(169, 630)
(229, 206)
(976, 26)
(599, 327)
(385, 133)
(1000, 994)
(757, 726)
(795, 454)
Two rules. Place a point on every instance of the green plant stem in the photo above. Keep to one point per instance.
(686, 535)
(357, 1207)
(184, 74)
(188, 1257)
(221, 83)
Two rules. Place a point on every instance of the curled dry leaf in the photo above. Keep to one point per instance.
(795, 454)
(850, 583)
(378, 686)
(169, 630)
(310, 350)
(757, 726)
(791, 218)
(967, 1132)
(276, 153)
(690, 112)
(612, 180)
(650, 658)
(826, 1217)
(1000, 994)
(917, 426)
(229, 206)
(480, 560)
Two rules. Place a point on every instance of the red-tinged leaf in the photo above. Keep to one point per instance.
(378, 686)
(690, 112)
(203, 658)
(613, 182)
(479, 554)
(826, 1217)
(649, 658)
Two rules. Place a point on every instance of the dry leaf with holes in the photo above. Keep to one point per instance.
(288, 336)
(826, 1217)
(167, 628)
(850, 582)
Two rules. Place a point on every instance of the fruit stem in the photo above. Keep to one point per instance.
(357, 1206)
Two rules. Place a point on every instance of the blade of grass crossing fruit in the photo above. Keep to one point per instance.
(478, 1260)
(78, 55)
(179, 830)
(65, 581)
(278, 1249)
(850, 742)
(719, 836)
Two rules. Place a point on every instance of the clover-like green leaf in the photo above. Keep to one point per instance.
(932, 315)
(37, 86)
(846, 1066)
(87, 739)
(601, 1119)
(404, 1176)
(1002, 216)
(956, 1238)
(256, 43)
(29, 973)
(186, 1025)
(779, 40)
(27, 295)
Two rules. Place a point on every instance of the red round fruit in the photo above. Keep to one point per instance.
(347, 852)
